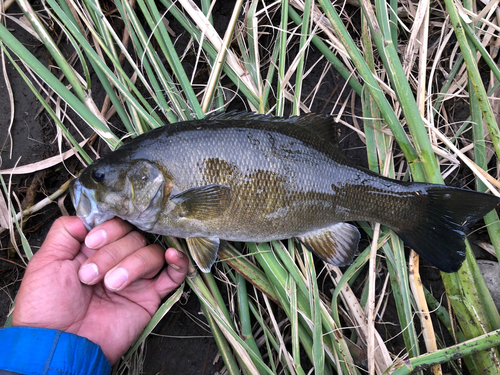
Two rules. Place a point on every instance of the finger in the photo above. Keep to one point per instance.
(107, 233)
(145, 263)
(98, 264)
(170, 278)
(63, 242)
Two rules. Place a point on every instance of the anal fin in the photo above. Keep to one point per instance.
(204, 251)
(336, 244)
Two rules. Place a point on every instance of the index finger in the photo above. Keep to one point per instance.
(107, 232)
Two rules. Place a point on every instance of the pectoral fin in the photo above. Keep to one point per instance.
(203, 202)
(204, 251)
(336, 244)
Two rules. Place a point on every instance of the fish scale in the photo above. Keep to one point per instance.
(245, 177)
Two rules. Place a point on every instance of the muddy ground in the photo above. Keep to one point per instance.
(182, 340)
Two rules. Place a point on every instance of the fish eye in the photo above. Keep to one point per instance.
(97, 175)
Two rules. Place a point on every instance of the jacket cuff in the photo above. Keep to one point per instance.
(28, 350)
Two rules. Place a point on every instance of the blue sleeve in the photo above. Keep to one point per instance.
(27, 350)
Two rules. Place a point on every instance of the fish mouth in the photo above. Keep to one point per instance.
(85, 204)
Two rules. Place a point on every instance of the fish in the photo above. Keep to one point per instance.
(244, 177)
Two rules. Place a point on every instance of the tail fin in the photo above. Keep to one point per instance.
(439, 234)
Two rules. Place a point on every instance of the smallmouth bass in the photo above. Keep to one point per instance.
(246, 177)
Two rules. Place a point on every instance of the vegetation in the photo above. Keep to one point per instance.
(405, 63)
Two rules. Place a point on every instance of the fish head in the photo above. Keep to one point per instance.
(132, 190)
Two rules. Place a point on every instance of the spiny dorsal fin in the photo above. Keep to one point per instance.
(203, 250)
(336, 244)
(203, 202)
(321, 124)
(318, 125)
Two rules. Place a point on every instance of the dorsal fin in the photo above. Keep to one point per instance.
(312, 125)
(323, 125)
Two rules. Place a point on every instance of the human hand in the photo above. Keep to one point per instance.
(111, 313)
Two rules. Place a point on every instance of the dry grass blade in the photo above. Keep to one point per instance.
(466, 14)
(283, 349)
(370, 306)
(293, 65)
(417, 38)
(38, 206)
(485, 177)
(381, 355)
(224, 325)
(423, 310)
(324, 26)
(209, 31)
(4, 213)
(13, 223)
(213, 80)
(420, 33)
(43, 164)
(12, 105)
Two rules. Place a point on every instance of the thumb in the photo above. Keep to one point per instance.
(63, 241)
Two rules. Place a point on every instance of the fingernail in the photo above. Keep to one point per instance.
(175, 266)
(179, 254)
(115, 279)
(95, 239)
(88, 273)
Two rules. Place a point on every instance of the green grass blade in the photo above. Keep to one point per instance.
(478, 344)
(173, 60)
(132, 96)
(61, 90)
(294, 317)
(224, 347)
(246, 324)
(100, 74)
(305, 30)
(247, 356)
(248, 270)
(466, 303)
(381, 34)
(376, 92)
(278, 274)
(378, 143)
(329, 55)
(219, 60)
(24, 242)
(56, 54)
(480, 48)
(314, 301)
(491, 219)
(49, 110)
(219, 96)
(282, 42)
(474, 76)
(161, 82)
(398, 272)
(247, 91)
